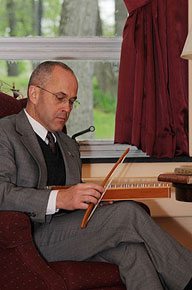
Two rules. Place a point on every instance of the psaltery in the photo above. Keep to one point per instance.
(124, 191)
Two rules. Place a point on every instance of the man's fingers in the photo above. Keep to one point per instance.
(92, 186)
(90, 199)
(92, 192)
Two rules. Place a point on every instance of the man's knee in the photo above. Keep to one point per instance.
(128, 212)
(132, 206)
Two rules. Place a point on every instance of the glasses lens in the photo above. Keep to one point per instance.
(62, 98)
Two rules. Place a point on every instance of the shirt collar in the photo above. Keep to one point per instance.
(38, 128)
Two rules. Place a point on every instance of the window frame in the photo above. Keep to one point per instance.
(71, 48)
(60, 48)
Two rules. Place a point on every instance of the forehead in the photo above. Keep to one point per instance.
(63, 80)
(61, 73)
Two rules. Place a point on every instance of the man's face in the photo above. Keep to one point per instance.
(52, 103)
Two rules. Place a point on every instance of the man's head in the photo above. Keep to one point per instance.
(52, 89)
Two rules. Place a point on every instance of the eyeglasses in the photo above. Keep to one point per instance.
(62, 98)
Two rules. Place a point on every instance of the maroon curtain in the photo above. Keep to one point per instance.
(152, 107)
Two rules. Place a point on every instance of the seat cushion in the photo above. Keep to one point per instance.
(15, 229)
(88, 275)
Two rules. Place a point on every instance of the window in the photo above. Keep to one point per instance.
(86, 36)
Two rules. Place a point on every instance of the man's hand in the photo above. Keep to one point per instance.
(78, 196)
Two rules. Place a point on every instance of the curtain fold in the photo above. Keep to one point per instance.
(152, 107)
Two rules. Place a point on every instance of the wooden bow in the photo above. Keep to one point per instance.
(91, 208)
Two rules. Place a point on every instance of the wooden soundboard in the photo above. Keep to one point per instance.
(125, 191)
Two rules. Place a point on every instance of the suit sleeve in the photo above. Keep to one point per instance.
(18, 181)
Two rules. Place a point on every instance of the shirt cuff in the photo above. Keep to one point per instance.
(51, 206)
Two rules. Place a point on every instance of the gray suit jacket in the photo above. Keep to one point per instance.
(23, 172)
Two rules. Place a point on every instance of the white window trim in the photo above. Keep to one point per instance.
(60, 48)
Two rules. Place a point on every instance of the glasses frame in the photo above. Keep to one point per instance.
(63, 99)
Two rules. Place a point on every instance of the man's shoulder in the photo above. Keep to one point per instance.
(10, 122)
(7, 126)
(7, 120)
(13, 117)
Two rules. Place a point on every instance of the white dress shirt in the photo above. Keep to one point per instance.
(42, 133)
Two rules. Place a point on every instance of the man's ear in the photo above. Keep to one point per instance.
(33, 94)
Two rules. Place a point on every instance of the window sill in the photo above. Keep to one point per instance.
(105, 151)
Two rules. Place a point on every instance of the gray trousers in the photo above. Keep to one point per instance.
(123, 234)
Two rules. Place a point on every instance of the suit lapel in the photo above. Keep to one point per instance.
(69, 159)
(66, 156)
(29, 140)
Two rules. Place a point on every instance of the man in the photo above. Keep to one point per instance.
(121, 233)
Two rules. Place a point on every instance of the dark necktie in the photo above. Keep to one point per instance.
(51, 142)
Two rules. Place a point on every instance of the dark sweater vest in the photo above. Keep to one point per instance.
(55, 164)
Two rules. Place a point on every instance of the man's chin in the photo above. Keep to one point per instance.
(59, 125)
(60, 128)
